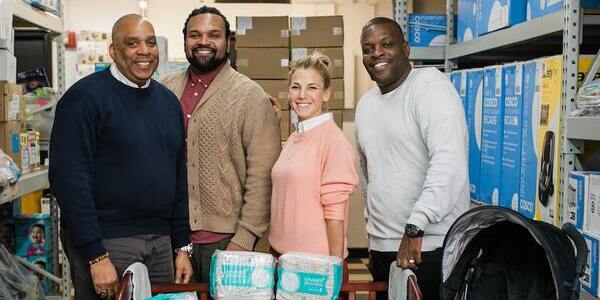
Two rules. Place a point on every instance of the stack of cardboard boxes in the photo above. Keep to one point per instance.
(8, 61)
(263, 54)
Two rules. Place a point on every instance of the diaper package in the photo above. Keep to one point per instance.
(308, 276)
(242, 275)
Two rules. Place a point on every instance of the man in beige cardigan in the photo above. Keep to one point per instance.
(232, 143)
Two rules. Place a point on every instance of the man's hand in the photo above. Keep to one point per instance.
(234, 247)
(409, 253)
(183, 267)
(104, 276)
(276, 106)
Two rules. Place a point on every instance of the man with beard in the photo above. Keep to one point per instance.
(232, 143)
(118, 169)
(412, 141)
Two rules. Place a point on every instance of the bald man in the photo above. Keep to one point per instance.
(118, 170)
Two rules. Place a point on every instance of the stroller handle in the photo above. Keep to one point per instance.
(582, 250)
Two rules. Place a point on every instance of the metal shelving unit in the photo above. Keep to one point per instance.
(420, 54)
(28, 183)
(579, 128)
(28, 16)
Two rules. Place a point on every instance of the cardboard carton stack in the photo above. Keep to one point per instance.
(325, 34)
(8, 62)
(263, 54)
(12, 113)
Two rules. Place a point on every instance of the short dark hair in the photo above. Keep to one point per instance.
(207, 10)
(384, 20)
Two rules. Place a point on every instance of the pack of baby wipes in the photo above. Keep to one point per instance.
(309, 276)
(242, 275)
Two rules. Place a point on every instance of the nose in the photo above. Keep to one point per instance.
(143, 48)
(302, 93)
(378, 51)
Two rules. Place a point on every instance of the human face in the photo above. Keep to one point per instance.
(205, 42)
(385, 55)
(134, 51)
(307, 93)
(37, 235)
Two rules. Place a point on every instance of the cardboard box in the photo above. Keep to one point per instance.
(12, 103)
(589, 280)
(532, 81)
(427, 30)
(33, 242)
(577, 193)
(338, 118)
(474, 109)
(511, 144)
(497, 14)
(539, 8)
(309, 32)
(9, 140)
(284, 125)
(7, 33)
(492, 134)
(459, 79)
(335, 54)
(592, 213)
(466, 21)
(277, 89)
(584, 64)
(8, 66)
(337, 94)
(262, 32)
(263, 63)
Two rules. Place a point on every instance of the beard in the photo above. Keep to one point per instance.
(209, 65)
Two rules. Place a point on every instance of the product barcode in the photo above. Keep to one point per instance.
(518, 89)
(545, 111)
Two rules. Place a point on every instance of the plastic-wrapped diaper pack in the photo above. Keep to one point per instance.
(309, 276)
(242, 275)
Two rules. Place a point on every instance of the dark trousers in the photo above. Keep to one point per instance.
(201, 256)
(429, 272)
(154, 251)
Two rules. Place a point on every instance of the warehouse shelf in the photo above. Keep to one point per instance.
(583, 128)
(28, 183)
(427, 53)
(26, 15)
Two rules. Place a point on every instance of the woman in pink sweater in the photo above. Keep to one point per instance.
(315, 173)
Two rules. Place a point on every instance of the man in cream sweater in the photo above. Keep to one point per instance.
(412, 140)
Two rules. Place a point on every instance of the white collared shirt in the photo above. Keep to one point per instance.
(313, 122)
(120, 77)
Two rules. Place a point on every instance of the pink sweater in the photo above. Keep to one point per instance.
(312, 181)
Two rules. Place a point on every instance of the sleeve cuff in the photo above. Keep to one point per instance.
(180, 239)
(419, 219)
(244, 238)
(335, 211)
(92, 250)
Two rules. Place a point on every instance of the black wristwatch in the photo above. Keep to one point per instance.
(413, 231)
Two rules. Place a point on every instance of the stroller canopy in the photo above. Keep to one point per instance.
(495, 253)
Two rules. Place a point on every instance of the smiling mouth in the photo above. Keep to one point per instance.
(378, 66)
(302, 105)
(143, 63)
(203, 51)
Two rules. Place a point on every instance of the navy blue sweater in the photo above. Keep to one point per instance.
(117, 162)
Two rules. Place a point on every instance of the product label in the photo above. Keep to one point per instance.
(299, 53)
(14, 108)
(298, 23)
(247, 276)
(243, 24)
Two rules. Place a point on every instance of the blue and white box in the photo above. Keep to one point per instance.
(497, 14)
(33, 243)
(577, 193)
(474, 109)
(466, 21)
(427, 30)
(511, 144)
(459, 79)
(492, 135)
(589, 280)
(532, 80)
(538, 8)
(592, 209)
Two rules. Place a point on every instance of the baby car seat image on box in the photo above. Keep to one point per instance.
(546, 184)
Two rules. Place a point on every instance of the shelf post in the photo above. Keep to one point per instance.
(449, 65)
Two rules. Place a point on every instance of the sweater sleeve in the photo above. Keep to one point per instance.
(180, 225)
(442, 123)
(261, 142)
(72, 145)
(338, 179)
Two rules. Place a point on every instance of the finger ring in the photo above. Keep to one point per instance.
(411, 261)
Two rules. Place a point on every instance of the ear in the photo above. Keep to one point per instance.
(406, 48)
(327, 94)
(112, 51)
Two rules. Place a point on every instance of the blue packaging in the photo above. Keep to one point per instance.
(529, 139)
(492, 135)
(33, 243)
(589, 280)
(538, 8)
(474, 109)
(577, 194)
(497, 14)
(511, 144)
(466, 21)
(427, 30)
(459, 79)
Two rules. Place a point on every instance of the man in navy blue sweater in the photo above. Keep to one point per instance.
(117, 168)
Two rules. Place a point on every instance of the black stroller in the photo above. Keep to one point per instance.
(495, 253)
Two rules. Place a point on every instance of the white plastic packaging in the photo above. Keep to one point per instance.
(242, 275)
(309, 276)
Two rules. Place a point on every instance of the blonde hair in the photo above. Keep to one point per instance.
(316, 61)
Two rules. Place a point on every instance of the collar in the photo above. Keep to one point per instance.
(313, 122)
(120, 77)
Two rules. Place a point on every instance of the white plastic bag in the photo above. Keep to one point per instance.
(9, 171)
(587, 102)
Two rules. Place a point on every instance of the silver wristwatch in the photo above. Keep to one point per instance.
(187, 248)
